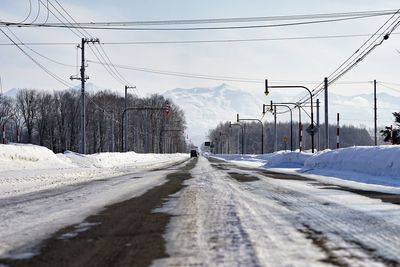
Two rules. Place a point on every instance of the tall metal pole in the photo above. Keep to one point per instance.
(311, 99)
(300, 128)
(112, 132)
(276, 131)
(126, 119)
(375, 116)
(326, 114)
(337, 131)
(319, 136)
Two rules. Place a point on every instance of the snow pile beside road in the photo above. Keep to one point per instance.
(116, 159)
(369, 164)
(381, 161)
(29, 168)
(281, 159)
(24, 156)
(18, 157)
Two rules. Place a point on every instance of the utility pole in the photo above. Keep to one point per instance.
(319, 136)
(375, 116)
(126, 116)
(112, 132)
(83, 78)
(326, 114)
(276, 131)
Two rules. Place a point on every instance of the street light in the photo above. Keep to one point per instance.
(291, 120)
(262, 130)
(311, 98)
(238, 124)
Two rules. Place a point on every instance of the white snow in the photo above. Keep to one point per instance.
(42, 192)
(221, 222)
(378, 165)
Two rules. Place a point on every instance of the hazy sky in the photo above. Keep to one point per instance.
(291, 60)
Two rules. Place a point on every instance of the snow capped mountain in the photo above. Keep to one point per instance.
(205, 108)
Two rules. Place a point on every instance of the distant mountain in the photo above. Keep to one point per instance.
(205, 108)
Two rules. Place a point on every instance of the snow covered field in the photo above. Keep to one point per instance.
(370, 165)
(41, 192)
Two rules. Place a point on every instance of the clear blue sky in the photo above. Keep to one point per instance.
(299, 60)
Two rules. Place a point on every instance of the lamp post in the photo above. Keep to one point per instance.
(238, 124)
(262, 130)
(311, 99)
(291, 119)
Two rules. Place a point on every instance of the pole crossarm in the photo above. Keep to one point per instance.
(123, 115)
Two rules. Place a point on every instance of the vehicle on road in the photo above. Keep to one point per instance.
(193, 153)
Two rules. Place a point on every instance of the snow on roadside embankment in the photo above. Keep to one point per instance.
(279, 159)
(27, 168)
(374, 165)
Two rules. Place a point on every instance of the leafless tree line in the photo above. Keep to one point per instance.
(52, 120)
(227, 139)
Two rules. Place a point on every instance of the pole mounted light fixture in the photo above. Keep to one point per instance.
(311, 99)
(266, 92)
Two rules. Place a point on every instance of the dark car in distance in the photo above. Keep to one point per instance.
(193, 153)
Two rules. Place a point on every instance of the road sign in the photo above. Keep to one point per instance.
(285, 139)
(312, 131)
(207, 143)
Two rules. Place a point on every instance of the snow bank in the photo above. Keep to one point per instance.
(369, 164)
(17, 157)
(116, 159)
(29, 168)
(25, 156)
(377, 161)
(281, 159)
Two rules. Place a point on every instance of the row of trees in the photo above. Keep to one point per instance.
(226, 139)
(52, 120)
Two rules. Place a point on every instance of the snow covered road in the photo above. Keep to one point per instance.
(27, 219)
(237, 216)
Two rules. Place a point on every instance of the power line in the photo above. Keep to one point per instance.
(102, 53)
(37, 53)
(77, 26)
(236, 19)
(349, 63)
(202, 41)
(37, 63)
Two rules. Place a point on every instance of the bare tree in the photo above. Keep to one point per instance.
(27, 105)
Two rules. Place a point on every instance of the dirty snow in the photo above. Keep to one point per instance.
(42, 192)
(378, 165)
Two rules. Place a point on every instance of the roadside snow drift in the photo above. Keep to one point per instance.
(30, 168)
(369, 164)
(281, 159)
(377, 161)
(25, 156)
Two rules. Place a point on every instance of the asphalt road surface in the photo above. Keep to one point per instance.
(214, 213)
